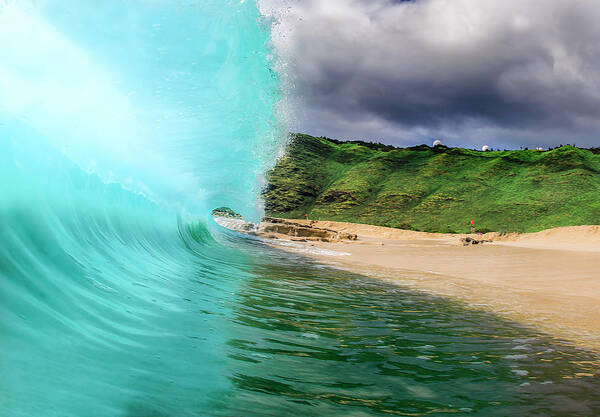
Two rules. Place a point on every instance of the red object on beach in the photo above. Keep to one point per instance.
(306, 216)
(472, 221)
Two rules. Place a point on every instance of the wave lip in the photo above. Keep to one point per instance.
(175, 101)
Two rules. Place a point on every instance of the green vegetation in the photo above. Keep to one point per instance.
(437, 189)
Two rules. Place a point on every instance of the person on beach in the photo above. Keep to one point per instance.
(472, 226)
(306, 215)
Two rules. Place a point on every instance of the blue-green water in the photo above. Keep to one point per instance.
(121, 125)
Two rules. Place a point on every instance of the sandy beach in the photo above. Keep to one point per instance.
(548, 280)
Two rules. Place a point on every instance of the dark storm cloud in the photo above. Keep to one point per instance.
(508, 72)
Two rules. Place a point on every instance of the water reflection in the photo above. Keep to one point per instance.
(317, 341)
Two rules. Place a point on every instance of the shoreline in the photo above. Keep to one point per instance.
(549, 280)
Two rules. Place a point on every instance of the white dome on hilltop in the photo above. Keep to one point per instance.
(485, 148)
(437, 143)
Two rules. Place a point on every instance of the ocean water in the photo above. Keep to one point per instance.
(121, 125)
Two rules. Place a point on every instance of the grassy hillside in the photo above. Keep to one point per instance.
(435, 189)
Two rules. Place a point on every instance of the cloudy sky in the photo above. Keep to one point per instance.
(507, 73)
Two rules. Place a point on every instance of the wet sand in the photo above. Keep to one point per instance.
(549, 280)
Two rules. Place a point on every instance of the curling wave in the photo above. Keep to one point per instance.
(121, 125)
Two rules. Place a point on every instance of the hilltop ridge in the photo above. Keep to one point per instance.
(435, 189)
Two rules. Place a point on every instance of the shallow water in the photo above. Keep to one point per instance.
(316, 341)
(119, 123)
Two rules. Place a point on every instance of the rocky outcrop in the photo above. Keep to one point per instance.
(225, 212)
(272, 228)
(284, 227)
(466, 241)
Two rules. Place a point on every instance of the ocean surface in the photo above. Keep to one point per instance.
(122, 124)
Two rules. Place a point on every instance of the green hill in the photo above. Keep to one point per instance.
(435, 189)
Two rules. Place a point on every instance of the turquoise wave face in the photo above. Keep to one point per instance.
(121, 125)
(108, 303)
